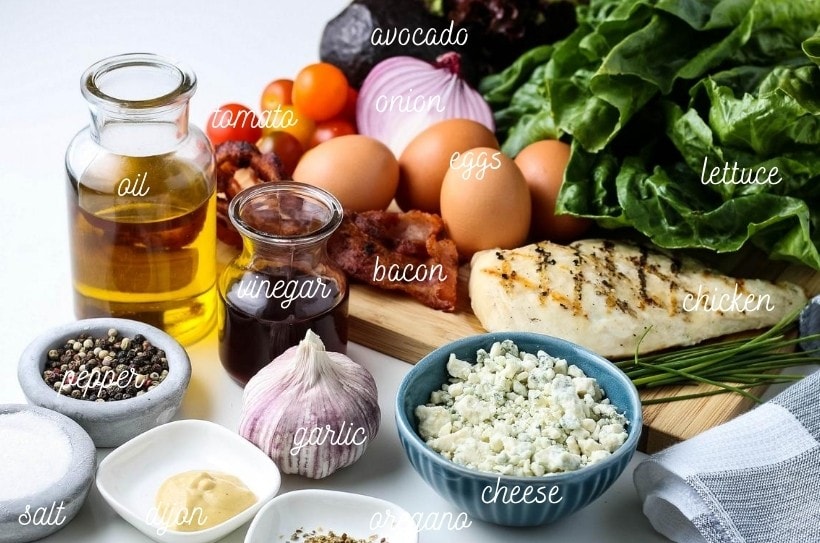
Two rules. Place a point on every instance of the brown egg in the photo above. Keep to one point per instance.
(360, 171)
(543, 164)
(426, 159)
(485, 202)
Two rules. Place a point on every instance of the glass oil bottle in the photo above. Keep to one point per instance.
(142, 200)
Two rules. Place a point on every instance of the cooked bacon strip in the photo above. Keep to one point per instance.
(239, 165)
(411, 239)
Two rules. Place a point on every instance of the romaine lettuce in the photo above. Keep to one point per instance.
(649, 89)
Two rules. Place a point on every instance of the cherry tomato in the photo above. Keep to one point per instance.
(291, 120)
(233, 122)
(320, 91)
(277, 92)
(349, 109)
(286, 147)
(326, 130)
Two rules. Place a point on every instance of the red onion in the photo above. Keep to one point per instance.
(402, 96)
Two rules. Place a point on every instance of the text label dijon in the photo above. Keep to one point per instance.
(171, 516)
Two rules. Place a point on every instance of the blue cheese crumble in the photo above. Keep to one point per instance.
(520, 414)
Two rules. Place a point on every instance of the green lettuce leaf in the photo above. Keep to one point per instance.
(812, 48)
(656, 93)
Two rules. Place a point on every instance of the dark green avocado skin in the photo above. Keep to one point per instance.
(346, 39)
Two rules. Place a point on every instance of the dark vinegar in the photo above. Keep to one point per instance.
(260, 323)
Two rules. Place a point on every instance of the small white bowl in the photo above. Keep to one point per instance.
(341, 512)
(130, 476)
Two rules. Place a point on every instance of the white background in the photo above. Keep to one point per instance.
(235, 49)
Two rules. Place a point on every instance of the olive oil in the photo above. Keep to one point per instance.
(143, 247)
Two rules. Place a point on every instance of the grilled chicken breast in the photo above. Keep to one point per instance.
(604, 294)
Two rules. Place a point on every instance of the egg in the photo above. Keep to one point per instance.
(485, 202)
(358, 170)
(543, 164)
(426, 159)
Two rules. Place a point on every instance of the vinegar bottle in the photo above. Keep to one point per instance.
(283, 283)
(142, 200)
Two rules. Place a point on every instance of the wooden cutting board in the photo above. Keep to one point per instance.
(401, 327)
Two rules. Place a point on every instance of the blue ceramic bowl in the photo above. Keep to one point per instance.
(538, 501)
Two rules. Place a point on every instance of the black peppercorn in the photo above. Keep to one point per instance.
(81, 366)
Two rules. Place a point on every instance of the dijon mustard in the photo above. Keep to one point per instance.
(196, 500)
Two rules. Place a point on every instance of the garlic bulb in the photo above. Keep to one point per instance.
(310, 410)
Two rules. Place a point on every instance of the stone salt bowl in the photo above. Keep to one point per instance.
(109, 424)
(27, 516)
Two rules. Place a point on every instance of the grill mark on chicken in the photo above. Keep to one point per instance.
(643, 299)
(623, 289)
(624, 306)
(676, 265)
(505, 275)
(654, 269)
(611, 271)
(545, 260)
(562, 300)
(674, 307)
(578, 277)
(510, 279)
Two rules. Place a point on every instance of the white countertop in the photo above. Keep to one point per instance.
(235, 49)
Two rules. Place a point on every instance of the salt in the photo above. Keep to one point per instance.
(34, 455)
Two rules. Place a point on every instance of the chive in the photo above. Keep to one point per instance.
(707, 393)
(732, 366)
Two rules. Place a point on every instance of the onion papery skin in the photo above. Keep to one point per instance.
(400, 81)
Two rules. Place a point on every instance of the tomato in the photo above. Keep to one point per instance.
(291, 120)
(326, 130)
(320, 91)
(277, 92)
(233, 122)
(286, 147)
(349, 109)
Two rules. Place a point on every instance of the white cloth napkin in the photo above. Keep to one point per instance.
(755, 479)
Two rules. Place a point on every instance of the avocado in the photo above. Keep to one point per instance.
(346, 40)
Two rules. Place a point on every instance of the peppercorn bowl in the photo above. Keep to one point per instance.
(515, 500)
(128, 368)
(47, 469)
